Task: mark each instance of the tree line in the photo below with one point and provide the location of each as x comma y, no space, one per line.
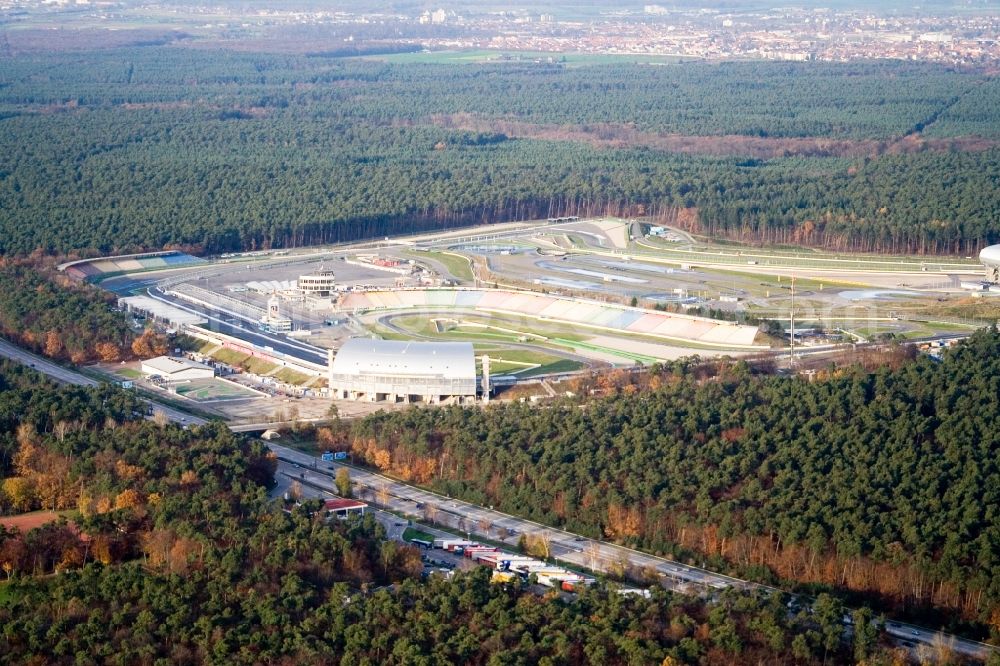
135,150
65,320
171,551
876,481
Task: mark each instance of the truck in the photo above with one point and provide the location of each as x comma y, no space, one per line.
554,578
532,566
487,559
508,563
503,577
472,551
452,544
576,585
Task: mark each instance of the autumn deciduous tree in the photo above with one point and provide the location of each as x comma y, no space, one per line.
108,352
342,480
128,499
150,344
20,493
53,345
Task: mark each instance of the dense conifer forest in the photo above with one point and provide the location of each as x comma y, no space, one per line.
169,551
149,148
882,482
68,321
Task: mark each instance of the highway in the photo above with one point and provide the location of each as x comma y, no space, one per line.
67,376
462,516
566,546
572,548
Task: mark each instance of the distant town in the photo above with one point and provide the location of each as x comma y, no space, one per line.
970,37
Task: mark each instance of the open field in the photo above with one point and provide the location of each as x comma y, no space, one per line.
29,521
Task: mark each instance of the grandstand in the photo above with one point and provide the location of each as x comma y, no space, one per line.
386,370
574,312
88,269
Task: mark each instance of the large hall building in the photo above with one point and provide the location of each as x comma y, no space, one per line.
404,371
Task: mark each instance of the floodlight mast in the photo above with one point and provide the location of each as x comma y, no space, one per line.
791,321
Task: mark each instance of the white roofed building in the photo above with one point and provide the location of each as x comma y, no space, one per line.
404,371
990,258
173,369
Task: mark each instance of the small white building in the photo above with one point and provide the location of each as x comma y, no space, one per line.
174,369
343,508
319,284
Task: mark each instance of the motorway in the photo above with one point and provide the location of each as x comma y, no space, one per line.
472,519
572,548
67,376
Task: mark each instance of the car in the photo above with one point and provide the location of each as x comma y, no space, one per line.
914,632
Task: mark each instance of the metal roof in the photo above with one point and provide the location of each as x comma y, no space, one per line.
364,356
168,365
990,256
341,504
161,310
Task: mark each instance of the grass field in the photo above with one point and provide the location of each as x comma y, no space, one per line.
290,376
410,533
258,366
527,363
499,329
128,373
207,347
230,357
456,264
